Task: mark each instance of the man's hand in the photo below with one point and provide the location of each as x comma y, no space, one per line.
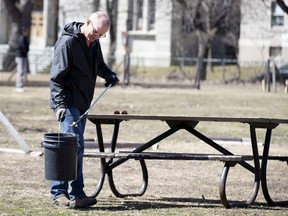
113,80
60,114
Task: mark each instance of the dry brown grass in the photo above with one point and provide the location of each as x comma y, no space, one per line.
175,187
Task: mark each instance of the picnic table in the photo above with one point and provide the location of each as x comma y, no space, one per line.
112,159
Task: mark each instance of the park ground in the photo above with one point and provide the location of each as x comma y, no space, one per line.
175,187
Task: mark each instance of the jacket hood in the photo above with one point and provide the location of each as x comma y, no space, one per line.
72,29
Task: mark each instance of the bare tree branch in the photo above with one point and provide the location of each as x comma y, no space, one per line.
282,5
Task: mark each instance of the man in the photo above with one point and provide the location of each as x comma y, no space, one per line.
77,62
22,60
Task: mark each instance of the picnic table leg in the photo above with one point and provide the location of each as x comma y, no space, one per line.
107,169
143,187
222,186
257,173
264,167
114,140
102,162
110,172
264,171
143,147
223,179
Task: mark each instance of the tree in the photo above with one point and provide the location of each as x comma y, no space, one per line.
112,11
19,12
282,5
111,6
208,20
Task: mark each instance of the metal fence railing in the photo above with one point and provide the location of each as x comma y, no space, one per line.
39,59
184,69
179,69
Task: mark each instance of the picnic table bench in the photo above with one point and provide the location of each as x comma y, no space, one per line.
188,123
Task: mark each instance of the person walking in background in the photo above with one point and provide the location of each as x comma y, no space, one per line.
76,64
22,60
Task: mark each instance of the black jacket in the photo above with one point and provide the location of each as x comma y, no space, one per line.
22,47
74,70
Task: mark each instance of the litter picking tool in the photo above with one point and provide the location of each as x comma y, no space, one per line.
92,105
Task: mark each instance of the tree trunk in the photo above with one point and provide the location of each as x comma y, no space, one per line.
19,18
96,4
112,12
14,18
204,45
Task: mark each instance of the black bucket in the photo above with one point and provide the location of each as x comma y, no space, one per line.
60,156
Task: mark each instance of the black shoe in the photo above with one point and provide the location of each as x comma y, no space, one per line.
82,201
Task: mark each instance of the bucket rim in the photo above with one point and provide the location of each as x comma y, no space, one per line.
59,144
61,134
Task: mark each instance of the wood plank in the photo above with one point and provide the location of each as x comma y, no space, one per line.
169,156
122,117
277,157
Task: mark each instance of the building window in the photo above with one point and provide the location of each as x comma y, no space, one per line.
37,20
275,51
277,15
151,14
141,15
138,15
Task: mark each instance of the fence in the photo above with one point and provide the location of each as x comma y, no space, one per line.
181,69
39,59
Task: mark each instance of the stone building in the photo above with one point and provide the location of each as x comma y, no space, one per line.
264,31
154,30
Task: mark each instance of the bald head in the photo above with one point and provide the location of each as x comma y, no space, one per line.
101,18
96,26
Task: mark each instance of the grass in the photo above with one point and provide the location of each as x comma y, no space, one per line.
175,188
217,73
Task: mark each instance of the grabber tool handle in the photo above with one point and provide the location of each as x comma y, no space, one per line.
92,105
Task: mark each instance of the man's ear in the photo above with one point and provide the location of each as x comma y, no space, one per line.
87,21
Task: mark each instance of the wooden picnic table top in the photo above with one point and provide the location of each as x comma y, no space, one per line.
126,117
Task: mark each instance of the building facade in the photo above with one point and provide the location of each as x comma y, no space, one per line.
264,31
150,30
